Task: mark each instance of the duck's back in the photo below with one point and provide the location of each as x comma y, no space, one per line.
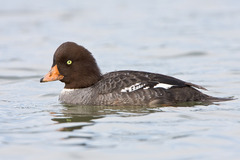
144,88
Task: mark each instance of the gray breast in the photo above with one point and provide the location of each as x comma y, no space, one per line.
83,96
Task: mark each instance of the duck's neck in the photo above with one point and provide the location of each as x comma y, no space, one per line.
85,80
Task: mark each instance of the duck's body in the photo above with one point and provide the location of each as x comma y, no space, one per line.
133,88
85,85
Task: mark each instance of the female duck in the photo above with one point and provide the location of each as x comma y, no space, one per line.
85,85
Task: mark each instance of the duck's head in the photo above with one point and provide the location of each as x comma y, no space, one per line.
74,65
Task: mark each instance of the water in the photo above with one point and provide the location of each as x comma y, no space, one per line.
197,41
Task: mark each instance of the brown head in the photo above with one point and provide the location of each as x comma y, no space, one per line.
74,65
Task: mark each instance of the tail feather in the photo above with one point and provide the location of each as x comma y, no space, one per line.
218,99
190,94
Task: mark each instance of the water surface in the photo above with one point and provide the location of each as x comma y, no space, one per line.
197,41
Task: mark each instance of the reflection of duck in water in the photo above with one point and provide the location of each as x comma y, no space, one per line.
81,116
77,114
85,85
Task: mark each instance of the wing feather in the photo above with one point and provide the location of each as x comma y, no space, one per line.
126,81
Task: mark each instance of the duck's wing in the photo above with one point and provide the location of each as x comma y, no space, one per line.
130,81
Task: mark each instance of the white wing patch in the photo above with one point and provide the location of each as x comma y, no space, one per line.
139,86
133,87
163,85
147,87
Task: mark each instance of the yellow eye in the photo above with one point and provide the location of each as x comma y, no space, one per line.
69,62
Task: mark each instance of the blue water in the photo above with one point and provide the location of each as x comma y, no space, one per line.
197,41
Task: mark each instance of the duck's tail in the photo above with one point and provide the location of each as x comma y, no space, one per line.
218,99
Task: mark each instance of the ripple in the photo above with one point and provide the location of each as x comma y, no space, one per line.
11,60
48,95
18,77
192,54
22,69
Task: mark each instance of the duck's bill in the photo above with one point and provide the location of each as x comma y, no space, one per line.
52,75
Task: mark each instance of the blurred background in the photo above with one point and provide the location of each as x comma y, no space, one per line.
194,40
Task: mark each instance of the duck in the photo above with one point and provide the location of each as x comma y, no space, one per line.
85,85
